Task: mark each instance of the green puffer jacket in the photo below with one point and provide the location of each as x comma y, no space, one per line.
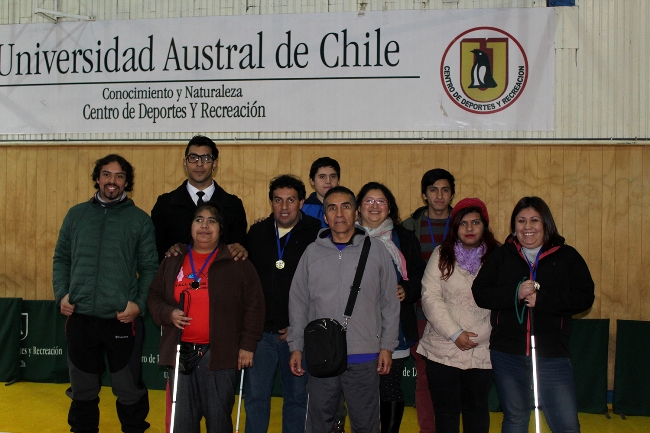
105,257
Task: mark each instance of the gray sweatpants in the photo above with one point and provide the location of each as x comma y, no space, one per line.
360,386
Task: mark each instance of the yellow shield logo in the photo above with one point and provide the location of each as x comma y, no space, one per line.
484,68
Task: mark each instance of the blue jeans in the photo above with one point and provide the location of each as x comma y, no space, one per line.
259,386
557,396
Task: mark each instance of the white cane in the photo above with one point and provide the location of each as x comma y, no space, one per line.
178,358
533,355
241,387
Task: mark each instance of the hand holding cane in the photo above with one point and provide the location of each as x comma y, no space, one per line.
534,358
178,358
241,387
530,289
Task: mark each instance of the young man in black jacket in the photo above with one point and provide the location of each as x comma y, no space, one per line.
275,247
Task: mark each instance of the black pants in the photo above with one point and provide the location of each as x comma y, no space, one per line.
454,391
390,385
89,339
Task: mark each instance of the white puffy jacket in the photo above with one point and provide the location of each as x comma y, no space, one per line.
449,306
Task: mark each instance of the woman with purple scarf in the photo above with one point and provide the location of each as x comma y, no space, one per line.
456,338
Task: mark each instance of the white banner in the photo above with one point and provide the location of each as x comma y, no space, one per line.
451,70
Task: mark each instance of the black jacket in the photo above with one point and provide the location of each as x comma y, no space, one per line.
566,288
173,212
263,253
415,265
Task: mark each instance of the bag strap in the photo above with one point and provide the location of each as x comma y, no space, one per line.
356,284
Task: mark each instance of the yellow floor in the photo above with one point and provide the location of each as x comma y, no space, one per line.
27,407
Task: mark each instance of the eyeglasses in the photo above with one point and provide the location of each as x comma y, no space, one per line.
379,201
193,158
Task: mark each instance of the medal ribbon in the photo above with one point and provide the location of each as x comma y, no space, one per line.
194,275
277,240
444,236
533,275
533,266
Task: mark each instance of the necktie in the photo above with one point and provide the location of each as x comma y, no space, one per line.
200,201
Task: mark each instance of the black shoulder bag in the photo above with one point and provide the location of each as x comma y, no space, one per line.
326,347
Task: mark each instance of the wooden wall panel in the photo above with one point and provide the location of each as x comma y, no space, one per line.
12,225
634,209
595,221
28,232
642,225
599,196
3,216
581,222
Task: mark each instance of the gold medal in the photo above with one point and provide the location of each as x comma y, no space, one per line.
279,264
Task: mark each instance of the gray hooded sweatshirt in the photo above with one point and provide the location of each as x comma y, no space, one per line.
321,287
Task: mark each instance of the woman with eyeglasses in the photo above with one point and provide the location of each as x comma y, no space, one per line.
379,216
220,323
455,340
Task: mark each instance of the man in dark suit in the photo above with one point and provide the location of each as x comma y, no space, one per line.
172,214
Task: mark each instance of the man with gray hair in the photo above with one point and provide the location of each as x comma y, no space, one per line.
320,288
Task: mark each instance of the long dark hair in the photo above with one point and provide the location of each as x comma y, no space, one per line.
393,210
551,235
447,252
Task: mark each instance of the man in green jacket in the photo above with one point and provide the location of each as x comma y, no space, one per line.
104,261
